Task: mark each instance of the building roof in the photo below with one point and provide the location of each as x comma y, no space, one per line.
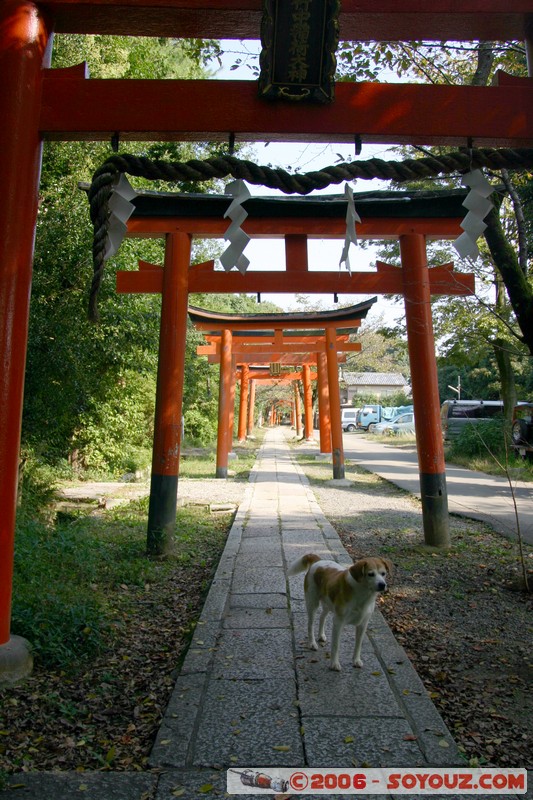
374,379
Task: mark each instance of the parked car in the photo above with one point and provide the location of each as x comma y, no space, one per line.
349,418
402,425
455,414
522,430
381,427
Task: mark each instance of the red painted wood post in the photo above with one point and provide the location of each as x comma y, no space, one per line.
169,395
337,448
243,402
308,402
426,401
323,404
251,409
224,396
24,51
297,409
231,410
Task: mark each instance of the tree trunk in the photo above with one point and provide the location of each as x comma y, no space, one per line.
519,290
506,372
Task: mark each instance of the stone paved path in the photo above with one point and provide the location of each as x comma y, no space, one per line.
251,694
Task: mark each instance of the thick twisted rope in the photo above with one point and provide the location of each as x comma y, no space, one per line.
222,167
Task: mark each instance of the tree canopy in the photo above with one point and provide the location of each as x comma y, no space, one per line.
90,390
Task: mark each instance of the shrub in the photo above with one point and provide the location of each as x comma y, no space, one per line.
482,439
114,435
37,485
53,604
200,428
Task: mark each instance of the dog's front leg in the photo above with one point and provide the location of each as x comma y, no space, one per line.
335,643
360,631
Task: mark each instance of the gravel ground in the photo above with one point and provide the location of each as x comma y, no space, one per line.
458,614
210,491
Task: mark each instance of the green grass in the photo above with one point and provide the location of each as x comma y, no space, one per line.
73,570
71,576
518,468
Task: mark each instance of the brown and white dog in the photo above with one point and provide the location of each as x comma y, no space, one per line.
348,593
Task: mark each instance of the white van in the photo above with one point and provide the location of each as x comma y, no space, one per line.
349,418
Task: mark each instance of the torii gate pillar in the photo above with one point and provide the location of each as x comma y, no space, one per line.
25,37
308,402
415,275
224,399
323,404
231,409
169,395
297,410
337,448
243,403
251,409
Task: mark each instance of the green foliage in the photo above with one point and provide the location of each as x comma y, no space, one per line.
115,432
72,580
37,486
482,439
397,399
91,388
53,604
383,350
427,62
200,426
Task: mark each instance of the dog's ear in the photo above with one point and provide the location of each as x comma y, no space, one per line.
358,570
389,566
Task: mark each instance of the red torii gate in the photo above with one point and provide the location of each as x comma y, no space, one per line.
410,217
281,337
63,104
250,374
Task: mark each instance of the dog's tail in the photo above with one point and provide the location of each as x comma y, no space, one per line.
302,564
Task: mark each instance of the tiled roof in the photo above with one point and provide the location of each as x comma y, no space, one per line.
374,379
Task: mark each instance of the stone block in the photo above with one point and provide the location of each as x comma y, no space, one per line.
249,723
247,654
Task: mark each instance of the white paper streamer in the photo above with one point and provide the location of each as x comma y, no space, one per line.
120,211
351,218
478,206
233,254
